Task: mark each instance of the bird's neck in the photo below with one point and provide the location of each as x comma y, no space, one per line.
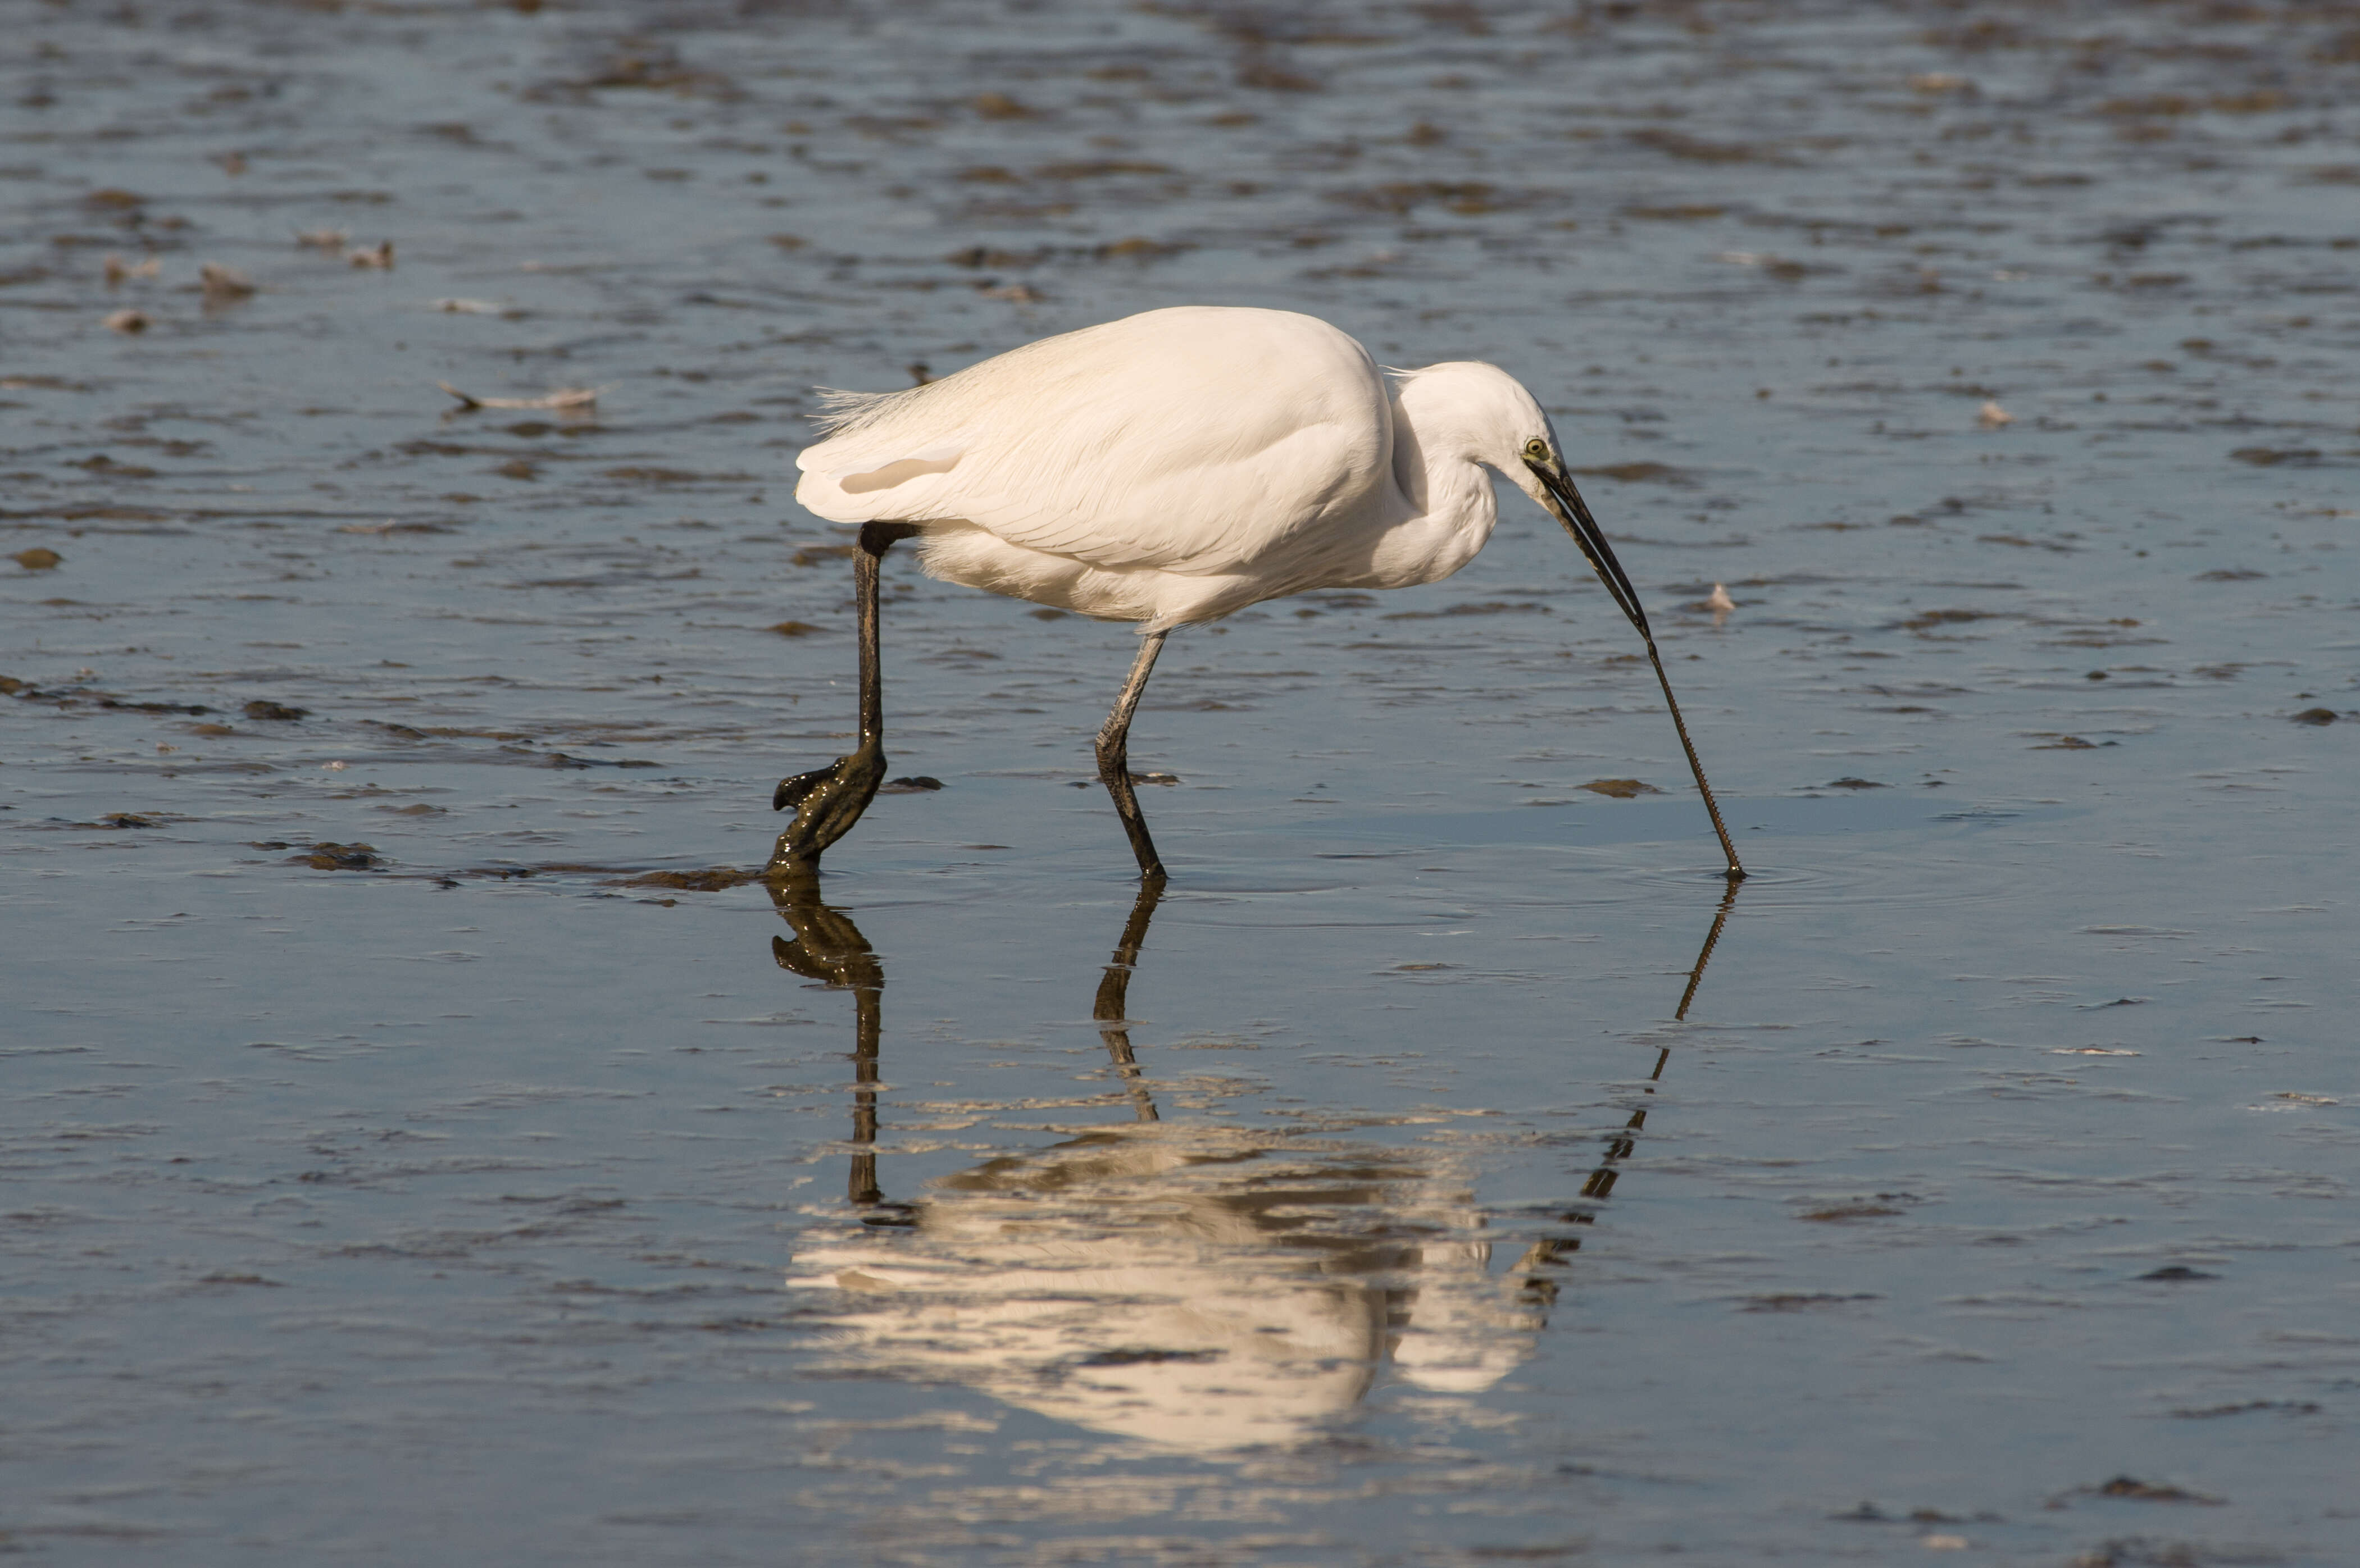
1446,491
1435,447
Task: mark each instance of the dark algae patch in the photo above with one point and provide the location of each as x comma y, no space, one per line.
341,857
2140,1491
718,880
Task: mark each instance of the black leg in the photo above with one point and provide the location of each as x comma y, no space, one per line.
828,800
1114,760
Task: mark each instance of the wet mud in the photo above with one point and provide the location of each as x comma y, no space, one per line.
424,1134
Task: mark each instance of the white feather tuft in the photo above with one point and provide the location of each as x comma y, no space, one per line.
844,412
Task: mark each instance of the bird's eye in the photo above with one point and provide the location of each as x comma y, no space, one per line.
1538,449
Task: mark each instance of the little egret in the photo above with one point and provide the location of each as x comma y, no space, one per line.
1171,468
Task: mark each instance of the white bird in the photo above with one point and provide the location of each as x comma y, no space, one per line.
1171,468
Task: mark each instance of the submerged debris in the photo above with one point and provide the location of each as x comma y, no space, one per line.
563,398
720,879
1801,1300
1621,789
340,857
223,284
2152,1492
2208,1412
566,759
1638,473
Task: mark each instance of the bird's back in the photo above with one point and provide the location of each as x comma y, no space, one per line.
1191,439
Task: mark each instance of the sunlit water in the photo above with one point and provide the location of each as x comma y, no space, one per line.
408,1157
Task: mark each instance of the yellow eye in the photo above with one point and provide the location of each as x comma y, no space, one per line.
1538,449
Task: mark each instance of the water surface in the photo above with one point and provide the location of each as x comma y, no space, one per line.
411,1149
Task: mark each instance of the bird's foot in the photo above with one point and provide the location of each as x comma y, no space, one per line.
827,803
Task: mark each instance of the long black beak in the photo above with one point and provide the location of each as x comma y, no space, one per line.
1573,514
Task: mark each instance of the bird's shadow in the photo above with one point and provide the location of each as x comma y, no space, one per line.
1194,1285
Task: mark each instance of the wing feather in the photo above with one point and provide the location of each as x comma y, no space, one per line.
1189,439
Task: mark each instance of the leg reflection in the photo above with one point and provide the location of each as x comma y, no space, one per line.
1114,990
830,949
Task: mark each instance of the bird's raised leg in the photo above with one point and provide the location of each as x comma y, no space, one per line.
828,800
1114,760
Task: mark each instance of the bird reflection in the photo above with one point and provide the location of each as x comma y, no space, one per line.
1195,1286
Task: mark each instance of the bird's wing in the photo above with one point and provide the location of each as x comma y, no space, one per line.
1191,439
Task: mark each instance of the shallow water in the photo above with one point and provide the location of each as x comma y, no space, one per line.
400,1162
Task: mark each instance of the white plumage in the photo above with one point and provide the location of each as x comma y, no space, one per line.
1176,466
1170,468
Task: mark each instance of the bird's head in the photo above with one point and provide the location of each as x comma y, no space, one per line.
1466,409
1546,480
1488,414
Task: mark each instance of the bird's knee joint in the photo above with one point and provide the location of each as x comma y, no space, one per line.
879,538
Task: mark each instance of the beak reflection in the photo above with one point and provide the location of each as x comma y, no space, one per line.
1199,1287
